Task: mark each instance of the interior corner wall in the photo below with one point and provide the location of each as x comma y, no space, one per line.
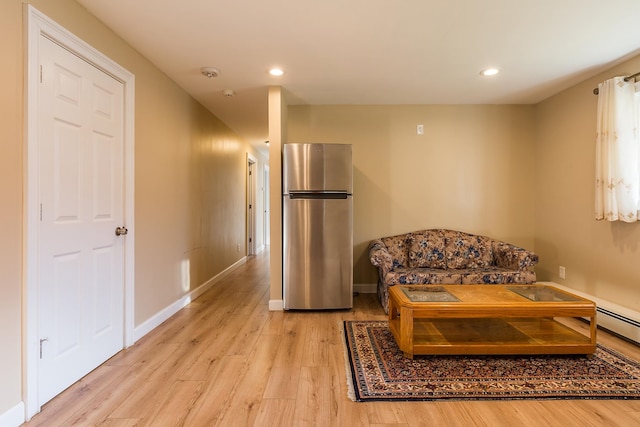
600,257
277,137
472,170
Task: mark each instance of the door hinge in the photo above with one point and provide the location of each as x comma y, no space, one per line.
41,74
40,212
42,342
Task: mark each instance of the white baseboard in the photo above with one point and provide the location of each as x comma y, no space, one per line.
276,305
14,417
164,314
363,288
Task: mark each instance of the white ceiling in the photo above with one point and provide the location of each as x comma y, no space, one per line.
373,51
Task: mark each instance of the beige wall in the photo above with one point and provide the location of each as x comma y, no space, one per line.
472,170
190,182
277,136
10,202
601,258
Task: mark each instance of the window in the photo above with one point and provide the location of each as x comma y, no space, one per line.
618,151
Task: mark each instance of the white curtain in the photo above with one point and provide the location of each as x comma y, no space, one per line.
617,152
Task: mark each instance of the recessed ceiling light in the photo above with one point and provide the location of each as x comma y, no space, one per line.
489,72
276,72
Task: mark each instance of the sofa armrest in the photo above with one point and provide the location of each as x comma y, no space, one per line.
380,256
513,257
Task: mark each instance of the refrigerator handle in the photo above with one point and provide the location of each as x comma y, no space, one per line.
318,195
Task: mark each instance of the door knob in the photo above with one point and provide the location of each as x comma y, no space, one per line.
121,231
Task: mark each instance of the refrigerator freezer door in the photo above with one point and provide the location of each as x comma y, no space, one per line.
317,167
318,253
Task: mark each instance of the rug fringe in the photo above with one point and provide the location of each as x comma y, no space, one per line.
351,394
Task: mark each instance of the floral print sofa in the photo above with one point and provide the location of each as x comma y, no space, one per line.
440,256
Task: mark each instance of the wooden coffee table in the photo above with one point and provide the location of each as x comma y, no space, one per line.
488,319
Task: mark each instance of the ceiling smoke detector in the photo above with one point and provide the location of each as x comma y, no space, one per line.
210,72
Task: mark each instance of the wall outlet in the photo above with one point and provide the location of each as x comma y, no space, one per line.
238,248
420,129
561,272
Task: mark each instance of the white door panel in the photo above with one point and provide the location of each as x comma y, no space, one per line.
81,289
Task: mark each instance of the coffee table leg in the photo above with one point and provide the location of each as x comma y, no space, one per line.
406,332
593,330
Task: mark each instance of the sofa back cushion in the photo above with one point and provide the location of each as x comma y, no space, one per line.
464,250
427,249
397,247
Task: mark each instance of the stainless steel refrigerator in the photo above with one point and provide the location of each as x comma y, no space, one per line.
317,227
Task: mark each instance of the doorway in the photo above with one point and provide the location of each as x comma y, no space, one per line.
265,203
251,205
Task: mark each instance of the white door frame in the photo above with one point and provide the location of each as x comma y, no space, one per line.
39,25
266,239
252,162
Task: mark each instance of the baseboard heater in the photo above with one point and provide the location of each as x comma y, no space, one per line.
619,324
619,320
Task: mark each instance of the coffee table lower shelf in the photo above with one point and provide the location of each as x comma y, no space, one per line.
495,336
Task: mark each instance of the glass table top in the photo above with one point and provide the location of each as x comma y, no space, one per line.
485,293
428,294
541,293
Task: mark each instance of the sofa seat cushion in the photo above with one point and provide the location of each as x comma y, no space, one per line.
411,276
464,250
495,275
426,249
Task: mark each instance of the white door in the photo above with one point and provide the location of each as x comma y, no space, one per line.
251,216
81,284
265,196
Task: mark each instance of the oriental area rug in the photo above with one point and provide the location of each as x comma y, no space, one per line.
377,370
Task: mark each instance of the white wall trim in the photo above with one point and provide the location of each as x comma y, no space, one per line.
37,25
363,288
13,417
252,214
164,314
276,305
266,208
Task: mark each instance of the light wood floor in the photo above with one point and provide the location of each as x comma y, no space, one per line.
227,360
